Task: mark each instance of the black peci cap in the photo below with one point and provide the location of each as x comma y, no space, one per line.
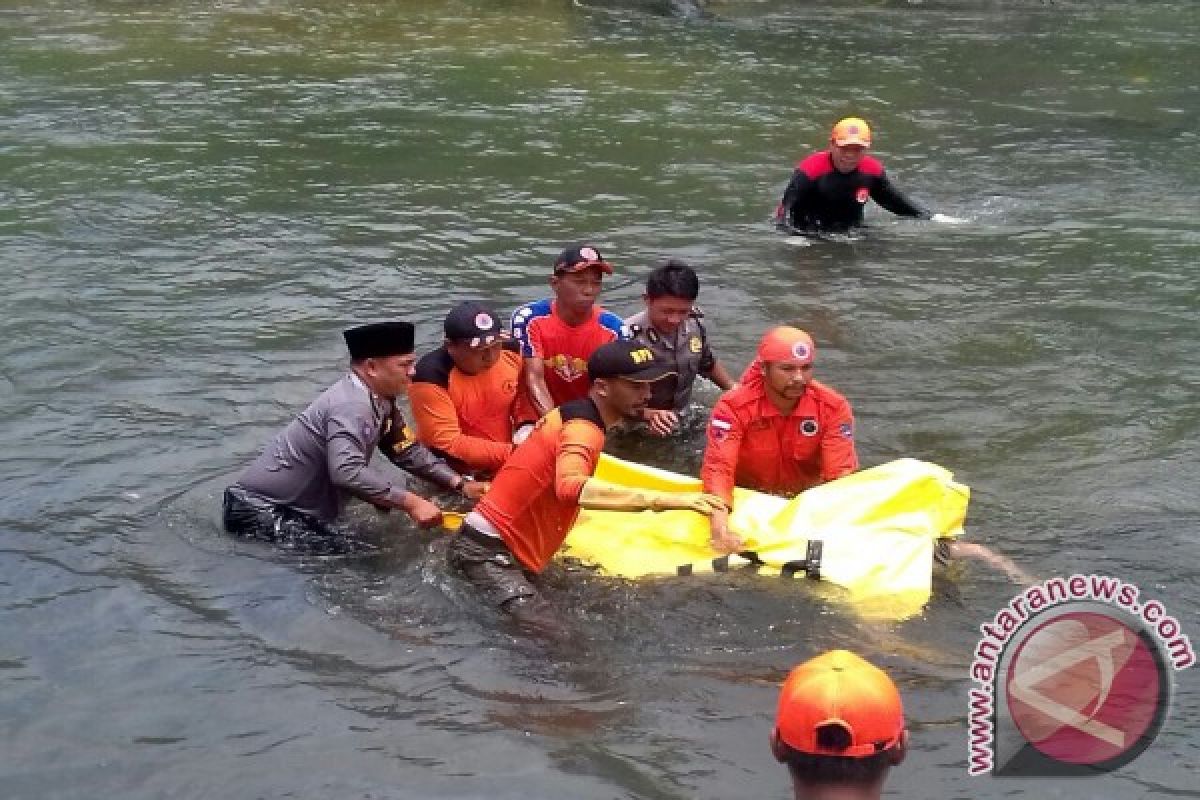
380,339
473,323
630,360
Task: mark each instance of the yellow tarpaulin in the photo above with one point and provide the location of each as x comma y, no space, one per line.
872,532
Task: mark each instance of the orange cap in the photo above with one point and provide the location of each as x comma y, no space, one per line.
851,130
788,345
839,689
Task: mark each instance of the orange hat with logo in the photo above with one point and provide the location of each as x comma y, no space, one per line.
842,690
787,345
851,130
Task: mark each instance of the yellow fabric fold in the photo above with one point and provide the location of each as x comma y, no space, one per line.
876,531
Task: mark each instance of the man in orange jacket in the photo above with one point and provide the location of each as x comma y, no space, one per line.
468,396
522,520
781,431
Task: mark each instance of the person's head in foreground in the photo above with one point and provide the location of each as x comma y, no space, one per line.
839,728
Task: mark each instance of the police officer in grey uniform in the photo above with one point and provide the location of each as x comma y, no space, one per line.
295,490
671,327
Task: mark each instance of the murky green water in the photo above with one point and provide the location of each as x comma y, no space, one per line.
196,198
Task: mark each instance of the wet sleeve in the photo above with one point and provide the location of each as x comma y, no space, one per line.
797,190
348,457
437,426
891,198
838,456
523,411
578,453
403,450
719,469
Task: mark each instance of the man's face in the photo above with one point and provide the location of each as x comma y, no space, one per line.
667,313
628,398
847,157
474,360
391,375
787,379
577,291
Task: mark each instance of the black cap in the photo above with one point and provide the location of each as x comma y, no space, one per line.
579,257
630,360
380,339
474,323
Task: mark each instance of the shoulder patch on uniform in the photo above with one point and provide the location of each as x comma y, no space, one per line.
720,428
846,430
583,408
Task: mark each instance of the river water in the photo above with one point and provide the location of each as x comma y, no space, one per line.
195,198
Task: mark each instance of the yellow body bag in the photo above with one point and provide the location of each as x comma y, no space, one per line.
871,532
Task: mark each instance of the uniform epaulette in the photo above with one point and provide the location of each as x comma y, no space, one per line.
581,408
434,367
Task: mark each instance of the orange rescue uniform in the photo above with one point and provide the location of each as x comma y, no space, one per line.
751,444
534,499
469,419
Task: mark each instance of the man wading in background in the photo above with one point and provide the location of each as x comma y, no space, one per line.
830,189
297,487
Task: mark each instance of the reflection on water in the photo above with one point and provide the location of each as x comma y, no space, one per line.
196,201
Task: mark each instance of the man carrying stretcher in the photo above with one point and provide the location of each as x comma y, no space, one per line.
522,520
780,431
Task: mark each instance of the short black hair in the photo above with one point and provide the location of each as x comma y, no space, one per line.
675,279
807,768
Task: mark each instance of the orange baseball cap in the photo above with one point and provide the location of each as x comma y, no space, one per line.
789,345
842,690
851,130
